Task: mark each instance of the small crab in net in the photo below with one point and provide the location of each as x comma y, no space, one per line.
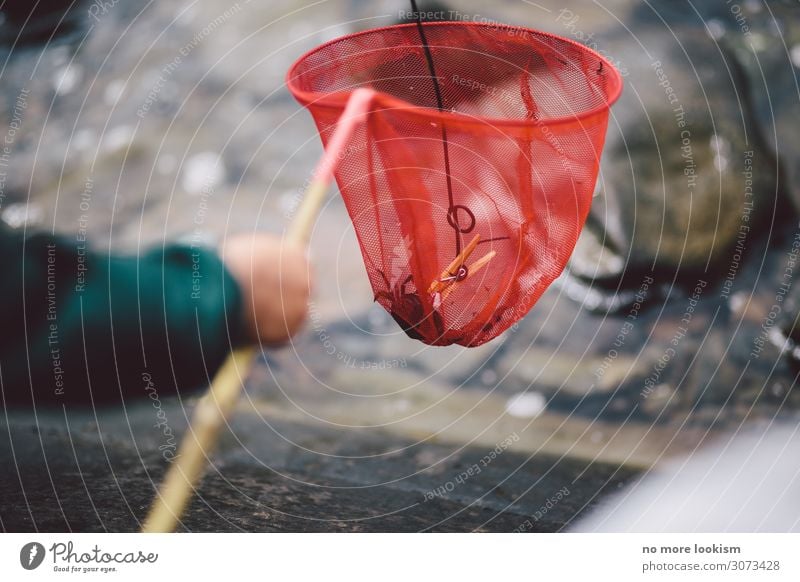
407,309
457,271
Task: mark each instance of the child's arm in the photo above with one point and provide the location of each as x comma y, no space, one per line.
92,327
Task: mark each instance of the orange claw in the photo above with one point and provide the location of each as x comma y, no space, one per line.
446,278
472,269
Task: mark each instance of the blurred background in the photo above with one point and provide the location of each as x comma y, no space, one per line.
673,329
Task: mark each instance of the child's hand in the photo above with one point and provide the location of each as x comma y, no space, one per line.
274,280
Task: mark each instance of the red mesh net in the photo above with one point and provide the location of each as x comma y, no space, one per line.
464,215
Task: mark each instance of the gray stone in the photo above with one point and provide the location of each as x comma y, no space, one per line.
671,193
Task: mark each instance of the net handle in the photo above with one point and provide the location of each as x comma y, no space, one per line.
217,404
355,112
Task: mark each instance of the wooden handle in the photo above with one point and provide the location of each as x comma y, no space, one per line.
354,113
299,230
208,418
216,406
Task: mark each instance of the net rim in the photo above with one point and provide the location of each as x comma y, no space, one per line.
337,100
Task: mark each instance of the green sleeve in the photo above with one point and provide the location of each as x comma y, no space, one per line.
84,326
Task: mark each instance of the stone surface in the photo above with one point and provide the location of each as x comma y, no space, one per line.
74,473
355,427
671,197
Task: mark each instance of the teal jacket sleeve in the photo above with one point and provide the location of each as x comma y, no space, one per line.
84,326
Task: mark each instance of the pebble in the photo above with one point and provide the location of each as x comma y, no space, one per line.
118,139
488,377
67,79
716,29
83,139
21,214
203,172
662,396
377,317
753,6
113,91
721,149
526,405
794,53
738,303
289,200
778,390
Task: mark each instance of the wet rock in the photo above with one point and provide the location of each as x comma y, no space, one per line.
672,197
728,49
772,76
